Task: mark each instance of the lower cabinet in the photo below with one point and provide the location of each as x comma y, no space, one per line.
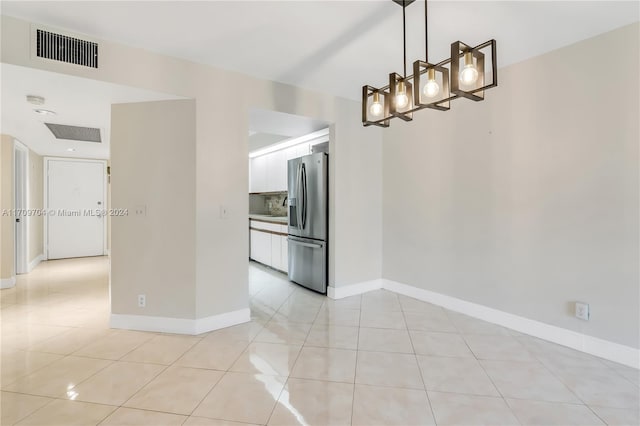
276,252
261,247
270,249
284,248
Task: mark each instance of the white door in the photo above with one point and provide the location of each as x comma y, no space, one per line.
21,161
75,196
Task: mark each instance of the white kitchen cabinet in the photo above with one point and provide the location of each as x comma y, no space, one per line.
291,152
261,246
268,173
303,149
258,174
276,256
267,247
276,171
284,254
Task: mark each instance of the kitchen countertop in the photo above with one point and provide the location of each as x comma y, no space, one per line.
266,218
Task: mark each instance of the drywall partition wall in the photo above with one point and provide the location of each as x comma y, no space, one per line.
223,100
153,253
352,151
358,198
528,201
35,203
6,204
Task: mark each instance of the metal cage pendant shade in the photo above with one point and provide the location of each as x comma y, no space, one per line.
466,74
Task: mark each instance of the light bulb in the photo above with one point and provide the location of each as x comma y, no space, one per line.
431,89
376,107
469,73
402,100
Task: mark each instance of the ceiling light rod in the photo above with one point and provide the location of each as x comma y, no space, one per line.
404,38
463,74
426,33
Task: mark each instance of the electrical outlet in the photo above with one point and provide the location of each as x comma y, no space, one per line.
140,210
142,300
582,311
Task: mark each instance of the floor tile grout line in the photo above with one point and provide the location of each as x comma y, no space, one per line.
32,372
559,378
497,389
355,371
146,384
107,416
37,409
283,387
293,292
227,371
424,384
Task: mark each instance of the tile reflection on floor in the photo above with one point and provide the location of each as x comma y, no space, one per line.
375,359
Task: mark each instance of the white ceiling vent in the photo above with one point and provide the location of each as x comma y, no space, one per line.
64,48
75,133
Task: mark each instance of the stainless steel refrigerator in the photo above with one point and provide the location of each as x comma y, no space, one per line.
308,183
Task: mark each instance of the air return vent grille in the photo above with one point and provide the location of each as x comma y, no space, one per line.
75,133
67,49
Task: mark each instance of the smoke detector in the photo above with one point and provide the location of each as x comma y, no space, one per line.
44,111
35,100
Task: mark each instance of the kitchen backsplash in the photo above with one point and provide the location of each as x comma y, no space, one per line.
274,204
270,204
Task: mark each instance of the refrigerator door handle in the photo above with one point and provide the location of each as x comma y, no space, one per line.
299,206
310,245
304,196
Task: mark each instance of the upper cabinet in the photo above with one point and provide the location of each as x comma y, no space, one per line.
276,171
258,174
268,172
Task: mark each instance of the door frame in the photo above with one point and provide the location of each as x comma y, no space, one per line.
46,197
21,204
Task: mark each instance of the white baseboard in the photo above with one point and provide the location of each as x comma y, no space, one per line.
7,282
35,262
180,325
353,289
592,345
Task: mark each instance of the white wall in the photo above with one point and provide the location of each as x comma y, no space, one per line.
7,252
223,100
527,201
35,201
152,156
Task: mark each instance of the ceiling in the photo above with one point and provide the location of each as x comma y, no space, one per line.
262,140
331,46
76,101
270,127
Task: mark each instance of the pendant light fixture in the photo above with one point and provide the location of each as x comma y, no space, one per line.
467,73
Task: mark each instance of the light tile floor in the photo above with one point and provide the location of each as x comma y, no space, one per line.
375,359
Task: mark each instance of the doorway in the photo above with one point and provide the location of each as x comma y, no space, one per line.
75,201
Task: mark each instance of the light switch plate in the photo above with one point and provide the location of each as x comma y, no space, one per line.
582,311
